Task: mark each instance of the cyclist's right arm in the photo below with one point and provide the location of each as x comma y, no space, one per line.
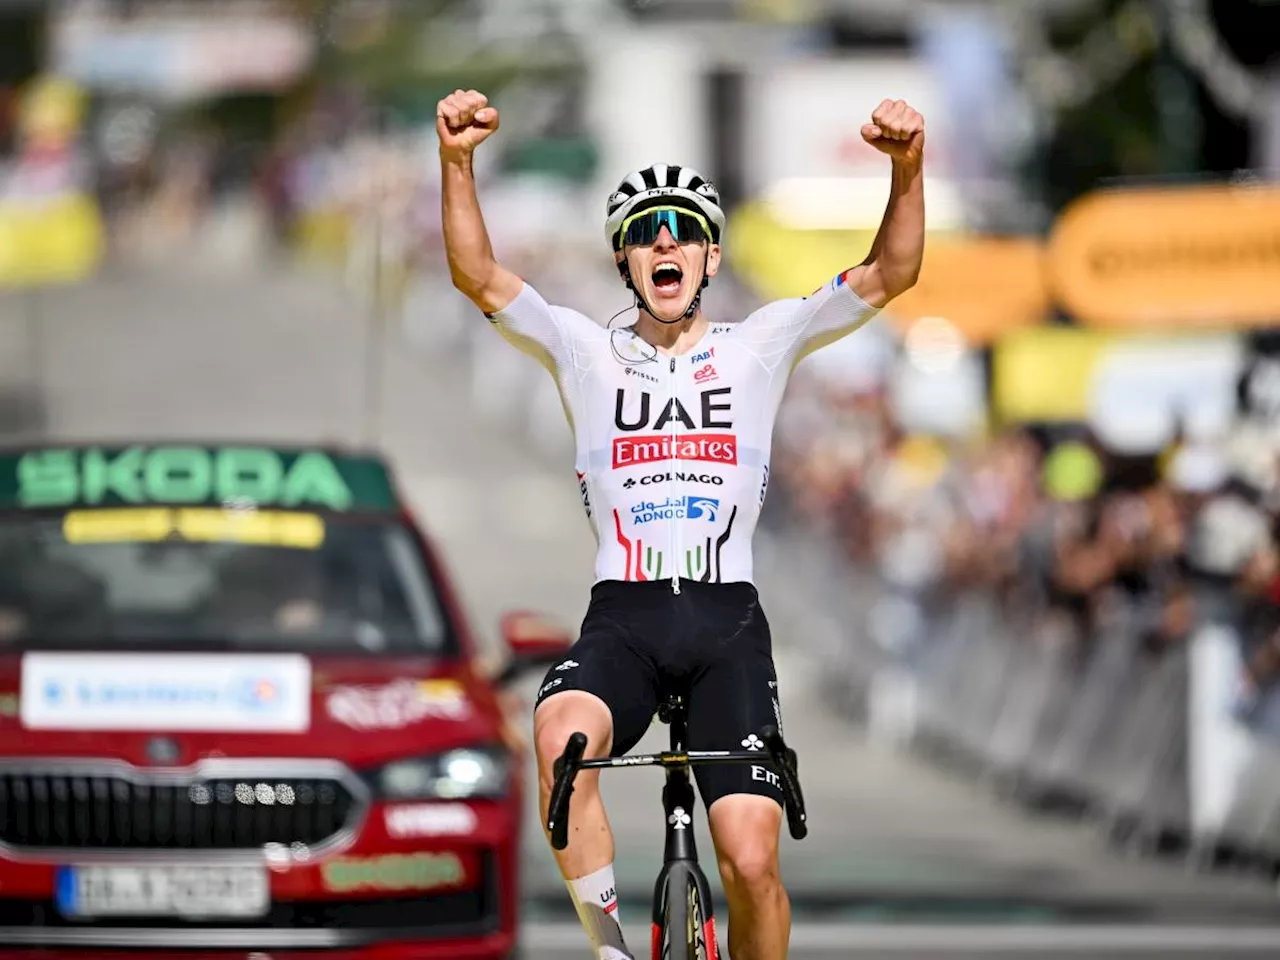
464,120
472,266
512,306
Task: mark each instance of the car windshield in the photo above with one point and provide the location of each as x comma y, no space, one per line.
205,579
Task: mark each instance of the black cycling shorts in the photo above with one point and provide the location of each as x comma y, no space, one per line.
641,641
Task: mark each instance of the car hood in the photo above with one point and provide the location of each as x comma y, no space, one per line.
173,709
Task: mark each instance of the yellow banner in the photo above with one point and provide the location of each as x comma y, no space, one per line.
1045,375
780,262
300,531
1205,256
48,240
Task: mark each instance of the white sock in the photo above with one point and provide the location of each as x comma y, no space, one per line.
596,900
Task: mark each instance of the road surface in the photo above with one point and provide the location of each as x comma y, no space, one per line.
887,942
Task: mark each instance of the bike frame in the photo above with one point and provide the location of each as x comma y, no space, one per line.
680,846
680,850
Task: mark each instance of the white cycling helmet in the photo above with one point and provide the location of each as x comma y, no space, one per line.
660,185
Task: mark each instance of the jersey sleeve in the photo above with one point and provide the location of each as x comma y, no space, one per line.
786,331
546,333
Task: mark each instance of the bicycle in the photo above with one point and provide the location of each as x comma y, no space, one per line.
683,924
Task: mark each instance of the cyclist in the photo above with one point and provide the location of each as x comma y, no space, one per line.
672,419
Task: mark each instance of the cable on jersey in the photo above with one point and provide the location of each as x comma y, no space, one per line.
613,343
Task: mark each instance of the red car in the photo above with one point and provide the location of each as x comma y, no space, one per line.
241,714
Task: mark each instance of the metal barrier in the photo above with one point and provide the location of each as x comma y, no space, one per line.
1100,725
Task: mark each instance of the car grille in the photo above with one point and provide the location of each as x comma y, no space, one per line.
123,812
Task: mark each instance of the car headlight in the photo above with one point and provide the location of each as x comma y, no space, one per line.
457,774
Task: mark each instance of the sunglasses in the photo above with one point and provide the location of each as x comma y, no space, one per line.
643,228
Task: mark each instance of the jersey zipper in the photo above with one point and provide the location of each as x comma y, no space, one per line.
674,539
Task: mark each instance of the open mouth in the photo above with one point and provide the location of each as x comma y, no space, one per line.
666,278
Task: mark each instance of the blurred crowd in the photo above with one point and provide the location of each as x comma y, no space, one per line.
1061,530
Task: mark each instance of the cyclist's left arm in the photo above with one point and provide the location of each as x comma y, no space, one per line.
795,328
893,265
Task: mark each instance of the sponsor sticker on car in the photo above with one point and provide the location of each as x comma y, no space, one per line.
252,693
395,872
397,704
429,820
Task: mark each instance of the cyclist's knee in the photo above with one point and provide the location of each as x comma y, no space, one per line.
745,829
558,718
749,869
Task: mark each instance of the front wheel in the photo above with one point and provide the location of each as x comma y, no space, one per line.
686,929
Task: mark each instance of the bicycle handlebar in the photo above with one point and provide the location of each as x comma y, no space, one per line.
784,760
566,769
571,761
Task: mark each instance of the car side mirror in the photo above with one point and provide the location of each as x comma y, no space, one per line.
534,640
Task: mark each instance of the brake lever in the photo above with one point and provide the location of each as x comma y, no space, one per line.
785,762
566,769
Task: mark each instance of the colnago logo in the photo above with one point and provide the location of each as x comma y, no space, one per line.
706,447
708,478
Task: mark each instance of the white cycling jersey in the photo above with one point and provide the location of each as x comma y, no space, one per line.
673,451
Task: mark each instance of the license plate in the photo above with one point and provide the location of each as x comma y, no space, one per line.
163,891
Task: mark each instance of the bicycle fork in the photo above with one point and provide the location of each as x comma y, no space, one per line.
679,854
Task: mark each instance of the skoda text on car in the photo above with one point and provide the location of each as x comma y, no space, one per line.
240,712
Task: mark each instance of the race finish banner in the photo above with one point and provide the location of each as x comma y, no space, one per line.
1193,257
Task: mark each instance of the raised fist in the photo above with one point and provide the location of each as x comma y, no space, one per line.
464,120
896,130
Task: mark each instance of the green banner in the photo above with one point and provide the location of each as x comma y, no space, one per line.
230,476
